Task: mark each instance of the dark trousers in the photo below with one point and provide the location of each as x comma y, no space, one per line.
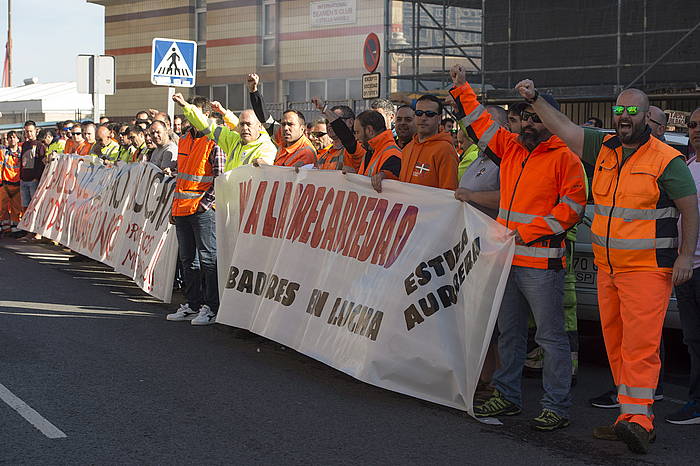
688,297
196,241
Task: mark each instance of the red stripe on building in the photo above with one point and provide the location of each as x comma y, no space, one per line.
233,41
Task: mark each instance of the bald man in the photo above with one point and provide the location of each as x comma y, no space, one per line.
657,120
640,186
105,147
248,142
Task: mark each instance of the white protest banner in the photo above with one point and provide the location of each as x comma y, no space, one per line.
117,215
399,289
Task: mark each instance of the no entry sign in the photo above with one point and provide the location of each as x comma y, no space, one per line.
370,52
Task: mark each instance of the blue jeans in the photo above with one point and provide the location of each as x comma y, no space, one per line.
27,190
688,296
543,290
196,241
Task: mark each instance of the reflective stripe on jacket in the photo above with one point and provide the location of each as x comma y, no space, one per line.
383,147
11,166
635,227
194,174
331,158
543,192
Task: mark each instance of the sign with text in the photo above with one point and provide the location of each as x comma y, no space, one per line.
400,289
116,215
371,85
333,13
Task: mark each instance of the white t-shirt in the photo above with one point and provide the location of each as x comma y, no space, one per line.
694,167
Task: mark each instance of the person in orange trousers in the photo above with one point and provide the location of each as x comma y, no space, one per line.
430,158
640,186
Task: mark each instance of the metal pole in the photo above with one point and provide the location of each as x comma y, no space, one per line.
619,43
483,51
388,13
171,104
9,41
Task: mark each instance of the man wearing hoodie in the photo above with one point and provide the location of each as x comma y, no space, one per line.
430,158
247,143
542,196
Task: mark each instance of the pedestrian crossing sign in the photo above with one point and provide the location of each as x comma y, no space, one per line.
173,62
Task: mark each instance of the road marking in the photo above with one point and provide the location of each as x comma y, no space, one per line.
29,414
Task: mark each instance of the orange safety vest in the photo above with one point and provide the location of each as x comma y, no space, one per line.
331,158
84,148
70,147
301,151
635,227
383,147
11,166
194,174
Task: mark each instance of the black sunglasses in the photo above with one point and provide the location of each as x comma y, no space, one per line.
318,134
76,132
428,113
530,116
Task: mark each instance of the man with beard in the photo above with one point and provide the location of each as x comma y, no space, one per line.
405,125
639,188
381,153
247,143
542,195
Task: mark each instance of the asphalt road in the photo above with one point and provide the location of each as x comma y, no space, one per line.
95,357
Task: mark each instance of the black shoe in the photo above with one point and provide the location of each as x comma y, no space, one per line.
607,400
635,436
497,405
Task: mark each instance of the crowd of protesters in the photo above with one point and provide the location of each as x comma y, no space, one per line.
524,166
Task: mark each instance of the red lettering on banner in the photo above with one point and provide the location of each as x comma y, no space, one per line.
408,221
355,220
332,228
382,248
318,232
287,204
375,226
361,227
313,215
244,193
270,220
302,207
251,225
348,214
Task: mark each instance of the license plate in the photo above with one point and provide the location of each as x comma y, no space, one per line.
585,270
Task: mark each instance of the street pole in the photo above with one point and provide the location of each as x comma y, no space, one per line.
171,104
9,41
95,95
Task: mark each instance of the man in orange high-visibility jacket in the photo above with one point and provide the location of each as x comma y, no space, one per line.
542,196
199,161
381,152
345,153
430,158
640,185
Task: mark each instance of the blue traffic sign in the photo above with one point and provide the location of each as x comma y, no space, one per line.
173,62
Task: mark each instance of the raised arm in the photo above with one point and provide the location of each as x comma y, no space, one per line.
555,121
258,104
226,138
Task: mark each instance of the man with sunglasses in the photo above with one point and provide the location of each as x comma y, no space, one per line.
640,186
320,139
345,154
84,137
542,196
126,150
430,158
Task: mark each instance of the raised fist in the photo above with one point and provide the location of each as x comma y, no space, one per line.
318,103
458,75
252,82
526,88
217,107
179,99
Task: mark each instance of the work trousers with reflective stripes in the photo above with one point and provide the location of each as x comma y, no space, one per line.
10,204
632,311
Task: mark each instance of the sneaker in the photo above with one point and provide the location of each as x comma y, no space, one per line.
608,433
607,400
205,317
184,313
635,436
548,420
497,405
688,414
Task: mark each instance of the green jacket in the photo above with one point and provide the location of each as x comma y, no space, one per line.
109,152
469,156
229,140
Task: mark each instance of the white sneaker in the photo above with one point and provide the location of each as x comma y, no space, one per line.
205,317
184,313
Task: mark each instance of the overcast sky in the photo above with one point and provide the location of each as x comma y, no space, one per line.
47,35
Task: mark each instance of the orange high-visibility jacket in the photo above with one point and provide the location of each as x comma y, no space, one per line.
70,147
84,148
635,224
11,166
194,174
330,158
300,151
543,192
383,147
432,162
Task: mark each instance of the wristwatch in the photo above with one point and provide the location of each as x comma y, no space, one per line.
534,99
